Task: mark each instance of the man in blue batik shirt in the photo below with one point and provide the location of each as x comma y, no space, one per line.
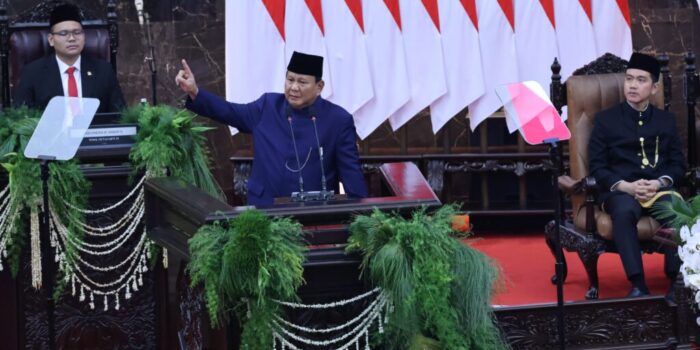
285,128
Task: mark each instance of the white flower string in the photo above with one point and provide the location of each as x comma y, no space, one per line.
328,305
283,334
359,317
138,187
116,226
115,244
35,247
126,273
358,331
7,226
5,214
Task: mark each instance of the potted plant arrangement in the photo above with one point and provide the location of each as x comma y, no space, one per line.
439,289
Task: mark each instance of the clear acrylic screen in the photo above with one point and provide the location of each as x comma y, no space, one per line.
62,127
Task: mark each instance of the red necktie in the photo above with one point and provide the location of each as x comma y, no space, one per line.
72,85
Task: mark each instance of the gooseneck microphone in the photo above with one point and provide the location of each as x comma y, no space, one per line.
320,149
324,194
288,111
302,196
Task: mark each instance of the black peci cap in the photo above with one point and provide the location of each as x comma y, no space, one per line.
646,63
65,12
302,63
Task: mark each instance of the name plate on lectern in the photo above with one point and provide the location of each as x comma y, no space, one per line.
102,135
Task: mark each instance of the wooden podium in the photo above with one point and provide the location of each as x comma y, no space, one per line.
175,211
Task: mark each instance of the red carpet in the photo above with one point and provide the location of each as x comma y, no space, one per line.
528,265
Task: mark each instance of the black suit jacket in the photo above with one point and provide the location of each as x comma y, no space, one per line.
615,153
40,81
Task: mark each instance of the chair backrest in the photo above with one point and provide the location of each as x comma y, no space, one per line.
586,96
26,38
30,43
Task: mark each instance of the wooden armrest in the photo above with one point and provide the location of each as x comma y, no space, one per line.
568,185
589,185
571,186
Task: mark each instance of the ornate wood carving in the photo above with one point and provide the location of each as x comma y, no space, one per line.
625,324
436,175
608,63
691,88
370,168
435,168
113,32
241,173
41,13
666,77
520,168
4,51
557,90
589,247
191,312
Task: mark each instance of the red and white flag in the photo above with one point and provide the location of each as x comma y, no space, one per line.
612,27
347,54
462,56
425,65
387,64
535,40
498,56
575,35
255,58
304,30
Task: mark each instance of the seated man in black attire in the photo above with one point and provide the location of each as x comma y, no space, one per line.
68,72
635,156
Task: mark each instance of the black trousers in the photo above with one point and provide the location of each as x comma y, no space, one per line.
625,212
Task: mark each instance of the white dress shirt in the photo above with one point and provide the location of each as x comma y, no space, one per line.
63,68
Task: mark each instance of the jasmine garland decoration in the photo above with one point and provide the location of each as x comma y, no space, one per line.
436,287
22,198
349,335
81,249
245,265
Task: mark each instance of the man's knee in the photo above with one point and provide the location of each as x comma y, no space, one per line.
623,207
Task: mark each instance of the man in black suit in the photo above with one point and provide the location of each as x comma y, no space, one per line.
635,156
68,72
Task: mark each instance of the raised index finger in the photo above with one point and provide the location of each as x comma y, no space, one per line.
186,67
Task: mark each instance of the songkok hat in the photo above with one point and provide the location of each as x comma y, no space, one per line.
302,63
65,12
646,63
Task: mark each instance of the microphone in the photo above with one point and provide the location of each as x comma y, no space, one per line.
139,10
325,194
288,111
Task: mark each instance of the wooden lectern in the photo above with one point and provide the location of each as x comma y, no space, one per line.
175,211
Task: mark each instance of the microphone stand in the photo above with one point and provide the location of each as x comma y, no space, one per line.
555,156
309,196
151,57
47,261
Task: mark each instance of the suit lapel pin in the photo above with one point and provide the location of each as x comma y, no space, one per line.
89,73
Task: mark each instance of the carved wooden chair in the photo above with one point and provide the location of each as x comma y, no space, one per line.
23,40
589,230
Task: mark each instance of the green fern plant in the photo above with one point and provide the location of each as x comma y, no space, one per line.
438,287
244,265
66,183
169,139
